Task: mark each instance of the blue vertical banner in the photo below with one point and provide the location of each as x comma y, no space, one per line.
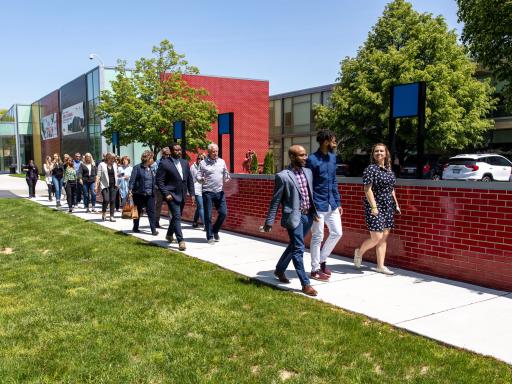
178,128
226,126
405,100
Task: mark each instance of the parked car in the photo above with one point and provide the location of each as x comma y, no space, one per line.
432,168
342,170
485,167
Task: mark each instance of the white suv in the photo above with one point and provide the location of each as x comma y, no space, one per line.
485,167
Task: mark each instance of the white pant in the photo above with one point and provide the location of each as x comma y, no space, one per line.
333,221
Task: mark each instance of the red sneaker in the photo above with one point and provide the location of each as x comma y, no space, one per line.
319,275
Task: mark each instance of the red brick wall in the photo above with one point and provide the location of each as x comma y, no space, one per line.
248,100
458,233
50,104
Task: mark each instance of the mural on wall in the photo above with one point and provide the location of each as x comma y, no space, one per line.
49,127
73,120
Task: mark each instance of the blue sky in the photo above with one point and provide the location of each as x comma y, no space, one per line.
293,44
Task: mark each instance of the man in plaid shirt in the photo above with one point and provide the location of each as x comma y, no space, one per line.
293,190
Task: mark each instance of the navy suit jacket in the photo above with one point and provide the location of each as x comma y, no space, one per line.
287,193
169,181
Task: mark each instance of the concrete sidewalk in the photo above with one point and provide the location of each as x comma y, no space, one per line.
459,314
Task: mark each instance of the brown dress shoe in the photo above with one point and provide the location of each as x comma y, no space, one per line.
281,277
182,246
309,290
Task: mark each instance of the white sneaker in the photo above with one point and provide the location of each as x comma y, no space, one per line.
357,258
385,271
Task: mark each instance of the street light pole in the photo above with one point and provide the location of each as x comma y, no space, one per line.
102,87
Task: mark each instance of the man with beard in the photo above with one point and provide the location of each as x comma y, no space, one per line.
327,202
174,180
294,190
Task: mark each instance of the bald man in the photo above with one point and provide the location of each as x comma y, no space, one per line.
293,190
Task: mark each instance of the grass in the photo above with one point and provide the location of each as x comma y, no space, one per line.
82,304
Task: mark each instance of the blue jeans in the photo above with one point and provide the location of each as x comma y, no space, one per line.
211,199
88,187
199,213
57,183
295,250
175,210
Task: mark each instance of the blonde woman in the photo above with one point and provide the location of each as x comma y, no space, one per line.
57,177
106,182
48,168
380,204
70,179
87,179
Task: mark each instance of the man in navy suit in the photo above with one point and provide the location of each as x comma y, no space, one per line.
174,179
294,190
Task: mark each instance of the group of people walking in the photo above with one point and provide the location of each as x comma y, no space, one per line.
148,185
308,193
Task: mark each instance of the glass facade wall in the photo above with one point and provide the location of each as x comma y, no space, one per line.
93,121
8,139
292,121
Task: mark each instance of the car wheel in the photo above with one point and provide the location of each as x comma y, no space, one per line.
486,179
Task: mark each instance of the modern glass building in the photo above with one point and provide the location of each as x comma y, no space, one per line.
65,120
292,120
16,141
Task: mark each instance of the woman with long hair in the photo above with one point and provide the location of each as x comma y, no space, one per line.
57,176
48,168
124,171
87,179
380,204
106,182
70,179
32,175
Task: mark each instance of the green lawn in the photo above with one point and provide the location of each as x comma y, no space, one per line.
80,303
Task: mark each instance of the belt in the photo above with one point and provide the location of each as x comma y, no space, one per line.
305,211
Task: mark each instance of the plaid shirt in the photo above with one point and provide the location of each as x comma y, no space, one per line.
303,185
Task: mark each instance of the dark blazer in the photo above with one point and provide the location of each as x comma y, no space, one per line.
287,193
169,181
136,183
85,175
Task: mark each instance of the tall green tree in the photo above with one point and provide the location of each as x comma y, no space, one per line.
405,46
488,35
146,101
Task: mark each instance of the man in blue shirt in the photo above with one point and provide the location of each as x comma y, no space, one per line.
327,201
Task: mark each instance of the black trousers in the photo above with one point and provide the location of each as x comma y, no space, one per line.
31,187
71,193
175,210
159,198
148,202
109,197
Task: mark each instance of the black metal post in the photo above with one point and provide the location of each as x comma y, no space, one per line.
231,143
420,140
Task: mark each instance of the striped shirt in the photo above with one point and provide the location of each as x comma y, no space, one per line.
303,186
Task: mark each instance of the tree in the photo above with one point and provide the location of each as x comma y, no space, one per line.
254,163
406,46
146,101
268,164
488,34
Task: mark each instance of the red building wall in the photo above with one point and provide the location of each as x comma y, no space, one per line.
458,233
50,104
248,100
